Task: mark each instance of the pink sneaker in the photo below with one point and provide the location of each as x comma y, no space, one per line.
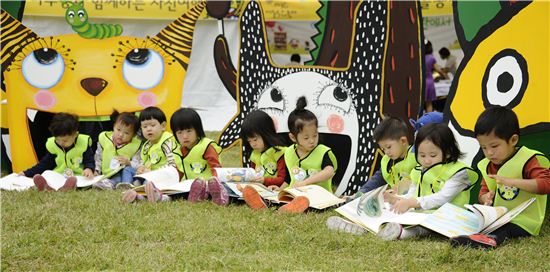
198,191
41,183
70,184
217,191
153,194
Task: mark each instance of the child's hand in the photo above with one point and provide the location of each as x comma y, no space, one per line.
503,180
300,183
390,196
141,169
257,179
89,173
123,160
487,199
404,204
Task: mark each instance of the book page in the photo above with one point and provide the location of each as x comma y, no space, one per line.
82,181
486,214
508,216
161,177
14,182
54,179
226,174
451,220
319,198
352,212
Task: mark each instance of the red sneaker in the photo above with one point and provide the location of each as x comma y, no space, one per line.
198,191
41,183
297,205
477,240
253,198
70,184
218,192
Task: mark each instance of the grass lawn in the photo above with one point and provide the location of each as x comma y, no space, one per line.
94,230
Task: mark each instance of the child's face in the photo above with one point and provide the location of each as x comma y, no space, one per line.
152,129
187,137
395,149
495,149
429,154
122,134
307,139
66,140
256,142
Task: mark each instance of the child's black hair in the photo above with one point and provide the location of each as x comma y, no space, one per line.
502,121
63,124
127,119
186,118
300,117
259,123
428,48
150,113
444,52
390,128
441,136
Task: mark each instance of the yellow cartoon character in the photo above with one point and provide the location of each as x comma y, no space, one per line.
88,77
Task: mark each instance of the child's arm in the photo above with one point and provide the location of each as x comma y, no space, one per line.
89,163
98,158
168,149
452,187
46,163
323,175
374,182
212,158
538,181
281,174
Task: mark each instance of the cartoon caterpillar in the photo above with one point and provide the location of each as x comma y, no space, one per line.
77,17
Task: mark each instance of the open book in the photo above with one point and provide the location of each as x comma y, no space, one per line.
166,179
319,197
371,212
451,220
15,182
236,174
235,190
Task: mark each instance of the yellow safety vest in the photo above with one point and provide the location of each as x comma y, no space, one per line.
109,150
393,171
193,165
72,158
153,156
266,162
301,169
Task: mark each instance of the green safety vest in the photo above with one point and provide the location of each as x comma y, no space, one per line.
266,162
532,217
152,156
72,158
394,170
105,140
433,179
301,169
193,165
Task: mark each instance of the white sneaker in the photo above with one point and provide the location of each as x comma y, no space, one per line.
390,231
340,224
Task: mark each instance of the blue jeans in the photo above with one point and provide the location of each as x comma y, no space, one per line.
126,175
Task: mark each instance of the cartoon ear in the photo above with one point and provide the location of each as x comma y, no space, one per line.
176,38
470,16
14,38
80,3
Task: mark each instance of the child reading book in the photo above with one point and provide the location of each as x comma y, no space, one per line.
68,153
511,175
117,150
441,178
265,150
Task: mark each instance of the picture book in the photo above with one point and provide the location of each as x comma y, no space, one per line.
15,182
166,179
319,197
236,174
371,212
451,220
169,188
235,190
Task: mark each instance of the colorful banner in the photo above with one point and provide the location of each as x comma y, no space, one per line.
304,10
436,7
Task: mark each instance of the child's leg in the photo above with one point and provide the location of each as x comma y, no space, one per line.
340,224
127,174
492,240
131,196
395,231
507,231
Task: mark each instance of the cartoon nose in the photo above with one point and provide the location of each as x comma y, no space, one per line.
93,85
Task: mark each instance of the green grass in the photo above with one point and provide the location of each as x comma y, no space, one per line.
94,230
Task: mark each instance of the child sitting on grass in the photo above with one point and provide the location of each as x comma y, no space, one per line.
68,153
511,175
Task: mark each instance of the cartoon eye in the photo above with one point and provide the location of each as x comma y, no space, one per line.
80,13
143,68
70,14
505,79
43,68
271,99
335,96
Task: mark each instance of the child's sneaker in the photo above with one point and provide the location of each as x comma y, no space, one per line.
70,184
131,196
217,191
198,191
103,185
477,240
41,183
390,231
340,224
153,194
253,198
124,186
297,205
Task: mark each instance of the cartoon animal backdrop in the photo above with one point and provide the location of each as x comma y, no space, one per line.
507,63
87,74
368,63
